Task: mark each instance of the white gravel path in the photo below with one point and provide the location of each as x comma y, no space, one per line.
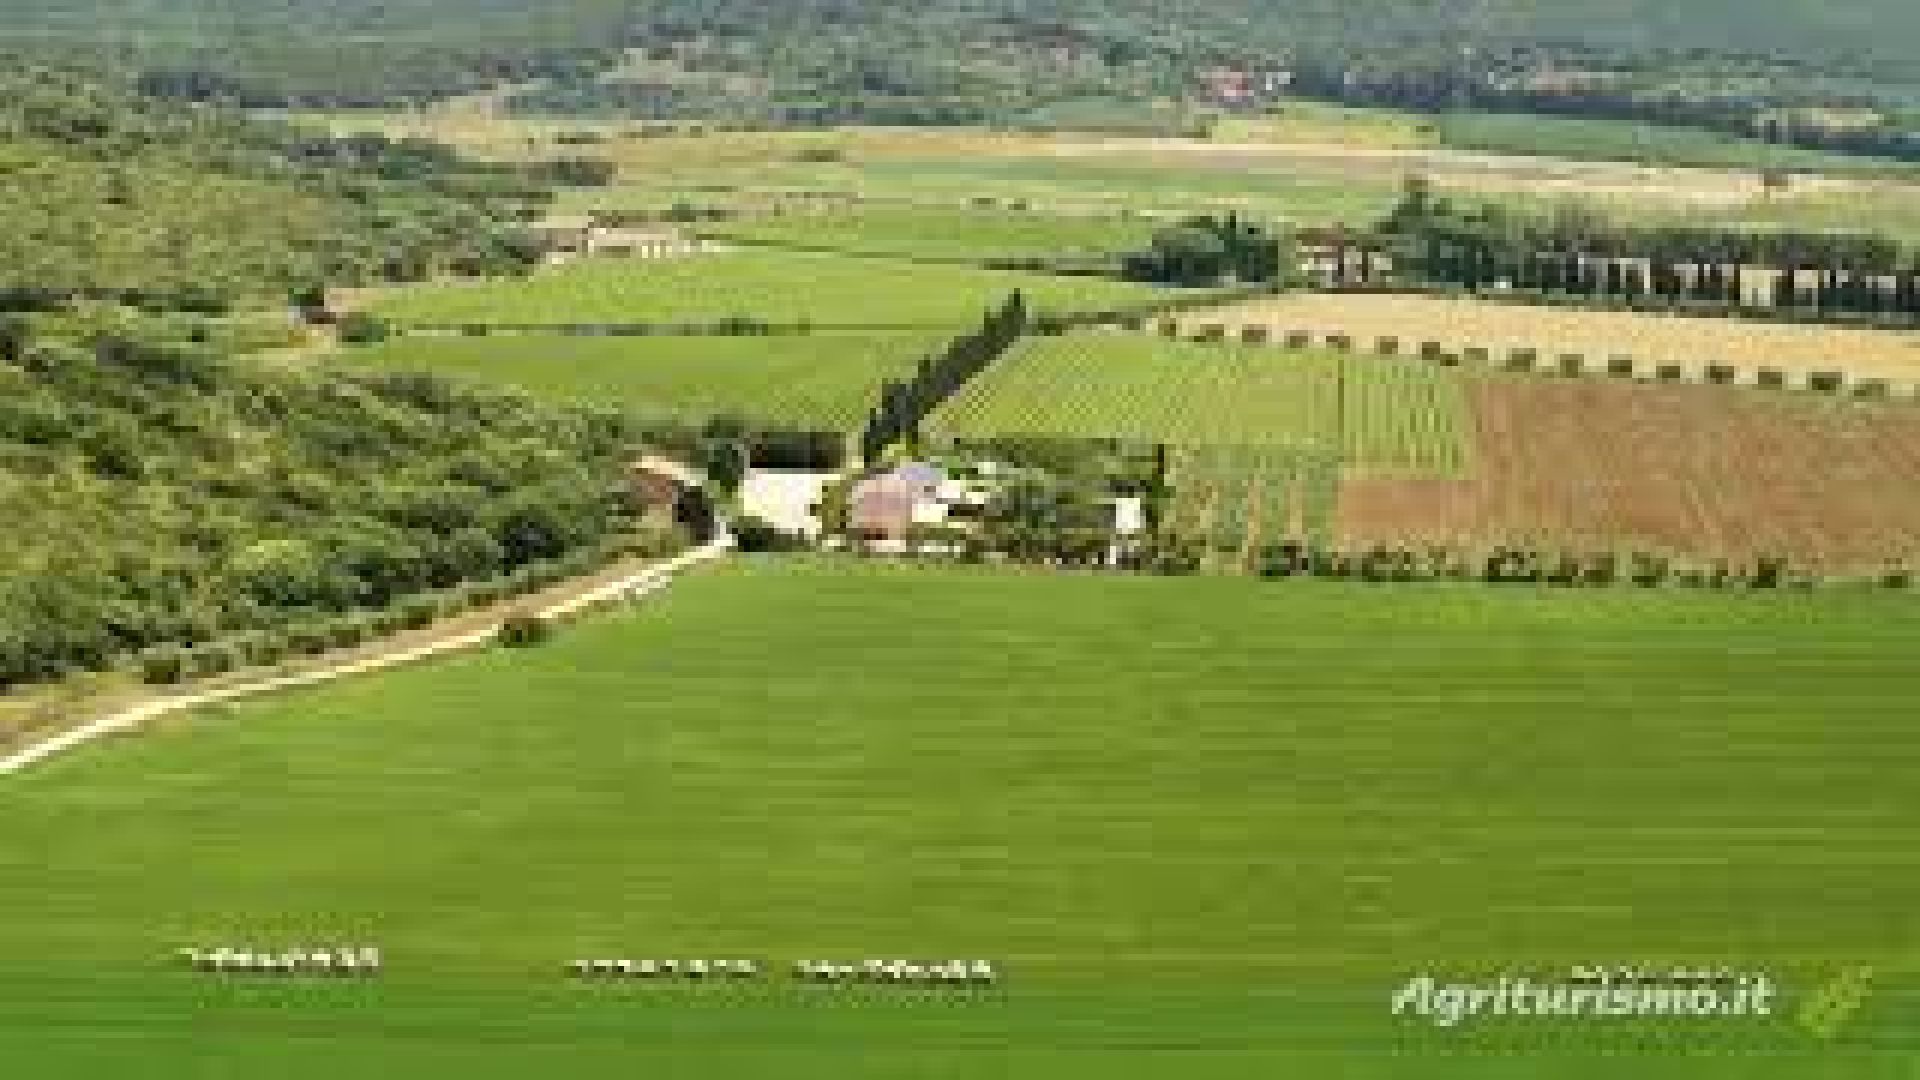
643,583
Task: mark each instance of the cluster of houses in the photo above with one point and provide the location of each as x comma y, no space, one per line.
665,969
347,961
566,238
887,510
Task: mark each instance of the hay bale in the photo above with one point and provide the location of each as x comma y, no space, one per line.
1670,373
1299,339
1572,364
1724,374
1772,378
1387,346
1620,365
1255,333
1826,382
1523,359
1877,389
1339,343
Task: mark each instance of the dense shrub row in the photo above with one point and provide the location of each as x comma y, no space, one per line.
154,495
322,632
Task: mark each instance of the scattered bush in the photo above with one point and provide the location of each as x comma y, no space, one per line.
522,630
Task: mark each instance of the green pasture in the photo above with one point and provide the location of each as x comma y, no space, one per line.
824,381
1207,828
943,233
1103,187
783,287
1600,139
1376,412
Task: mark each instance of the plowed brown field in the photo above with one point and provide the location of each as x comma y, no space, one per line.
1698,471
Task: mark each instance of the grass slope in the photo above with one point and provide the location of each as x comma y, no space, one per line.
827,381
827,290
1215,847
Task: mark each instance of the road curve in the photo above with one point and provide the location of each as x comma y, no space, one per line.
643,583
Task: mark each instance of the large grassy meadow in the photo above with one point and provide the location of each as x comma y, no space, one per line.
785,287
822,381
1207,829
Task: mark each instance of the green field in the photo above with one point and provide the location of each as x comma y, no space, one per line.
1376,412
1083,187
827,290
944,233
1231,500
821,381
1212,850
1598,139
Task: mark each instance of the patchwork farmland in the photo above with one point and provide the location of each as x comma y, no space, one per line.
1355,452
769,286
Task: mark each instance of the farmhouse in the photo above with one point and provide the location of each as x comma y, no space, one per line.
883,508
659,481
567,238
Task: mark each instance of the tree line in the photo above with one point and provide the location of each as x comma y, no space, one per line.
905,404
1575,253
1209,250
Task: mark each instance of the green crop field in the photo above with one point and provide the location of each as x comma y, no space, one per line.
949,233
825,381
1213,850
827,290
1598,139
1232,500
1376,412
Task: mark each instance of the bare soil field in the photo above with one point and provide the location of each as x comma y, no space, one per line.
1692,343
1699,471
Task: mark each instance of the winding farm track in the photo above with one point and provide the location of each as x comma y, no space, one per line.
645,582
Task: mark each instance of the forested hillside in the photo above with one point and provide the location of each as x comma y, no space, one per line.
360,51
159,495
114,195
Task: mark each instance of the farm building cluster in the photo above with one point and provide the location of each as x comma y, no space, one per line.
566,239
927,507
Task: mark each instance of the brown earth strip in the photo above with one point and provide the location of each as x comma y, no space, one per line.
1701,472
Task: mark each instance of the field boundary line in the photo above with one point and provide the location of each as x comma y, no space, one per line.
644,582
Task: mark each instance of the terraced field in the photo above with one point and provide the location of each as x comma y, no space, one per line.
783,287
818,381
